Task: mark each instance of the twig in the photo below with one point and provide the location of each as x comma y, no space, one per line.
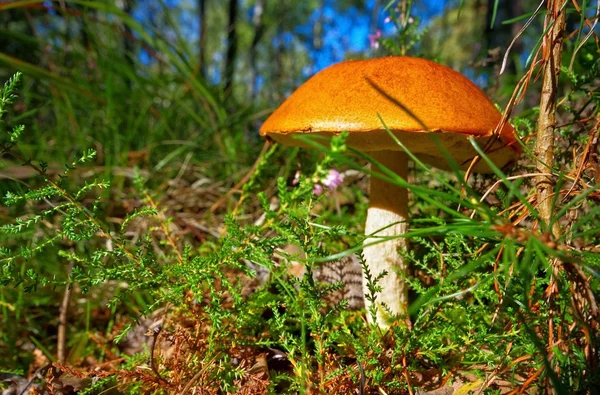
155,333
592,28
191,382
490,380
62,320
498,182
590,148
199,374
521,31
528,382
362,378
39,374
406,376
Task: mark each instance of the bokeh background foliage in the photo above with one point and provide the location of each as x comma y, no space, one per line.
152,242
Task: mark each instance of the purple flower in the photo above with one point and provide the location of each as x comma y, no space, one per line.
374,39
333,180
318,189
296,178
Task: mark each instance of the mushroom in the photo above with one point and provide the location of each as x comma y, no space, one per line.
415,98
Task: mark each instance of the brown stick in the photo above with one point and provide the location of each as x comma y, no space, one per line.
61,337
544,145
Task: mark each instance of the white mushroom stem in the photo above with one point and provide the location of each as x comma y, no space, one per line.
388,205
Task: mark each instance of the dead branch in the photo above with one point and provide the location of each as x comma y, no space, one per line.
544,145
62,321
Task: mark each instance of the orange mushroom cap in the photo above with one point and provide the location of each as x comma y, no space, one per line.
414,97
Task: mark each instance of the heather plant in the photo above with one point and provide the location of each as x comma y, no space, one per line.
99,253
490,310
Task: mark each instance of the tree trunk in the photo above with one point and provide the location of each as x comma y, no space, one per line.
202,40
278,69
259,27
128,47
231,48
544,145
516,9
374,23
318,28
498,36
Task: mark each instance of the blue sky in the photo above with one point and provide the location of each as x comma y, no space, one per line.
343,31
348,30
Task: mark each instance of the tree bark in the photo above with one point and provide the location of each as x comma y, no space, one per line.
374,22
202,39
278,52
544,146
500,35
318,28
128,43
231,48
259,27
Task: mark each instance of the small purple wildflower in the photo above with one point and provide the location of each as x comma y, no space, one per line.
333,180
318,189
296,178
374,39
